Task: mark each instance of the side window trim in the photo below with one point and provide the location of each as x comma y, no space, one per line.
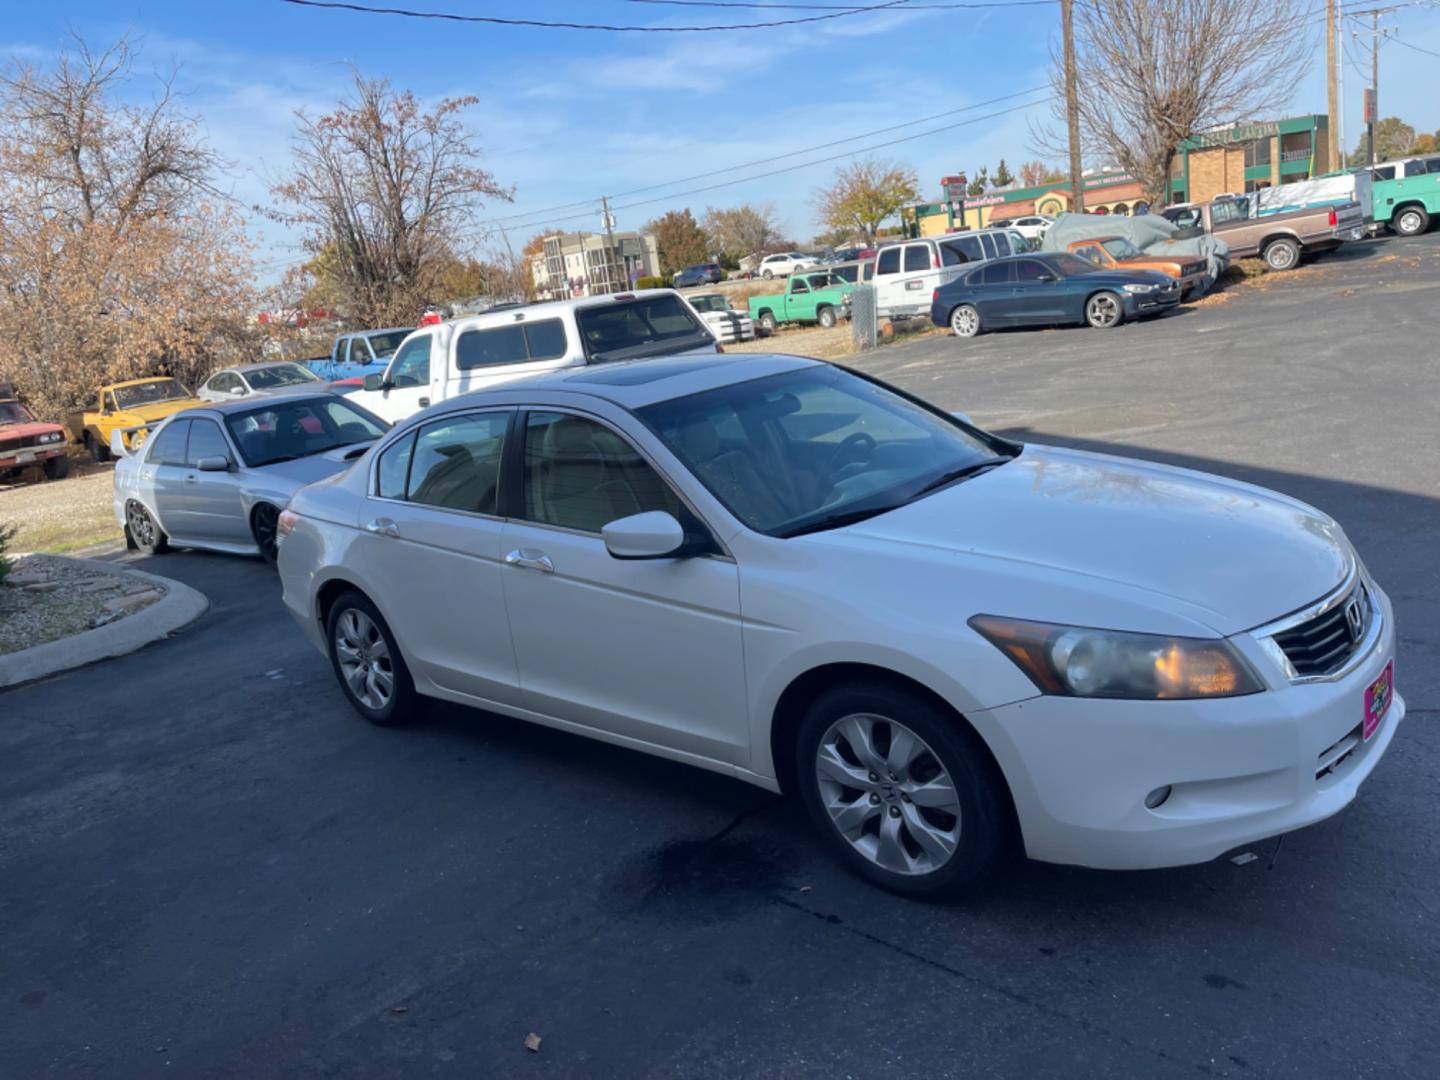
412,434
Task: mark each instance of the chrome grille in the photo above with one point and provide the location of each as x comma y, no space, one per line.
22,443
1323,643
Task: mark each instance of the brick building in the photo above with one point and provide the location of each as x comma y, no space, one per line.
1245,157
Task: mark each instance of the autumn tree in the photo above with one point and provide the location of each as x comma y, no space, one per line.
119,255
744,230
1426,143
392,189
1002,175
1151,73
1393,139
679,240
864,194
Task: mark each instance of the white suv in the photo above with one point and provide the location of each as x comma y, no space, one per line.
783,265
908,273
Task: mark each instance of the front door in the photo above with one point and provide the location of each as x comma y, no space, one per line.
648,649
429,548
212,505
408,377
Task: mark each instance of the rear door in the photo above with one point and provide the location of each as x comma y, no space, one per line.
1034,300
163,474
995,296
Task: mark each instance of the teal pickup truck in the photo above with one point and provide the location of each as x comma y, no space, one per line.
1406,194
816,297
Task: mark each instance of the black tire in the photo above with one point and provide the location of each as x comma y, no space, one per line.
403,703
263,522
1104,311
1411,221
986,829
143,532
1282,254
766,324
57,468
826,317
98,452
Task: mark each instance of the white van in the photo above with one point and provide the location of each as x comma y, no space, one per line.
508,342
907,273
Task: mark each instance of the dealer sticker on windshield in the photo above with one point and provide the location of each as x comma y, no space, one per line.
1377,700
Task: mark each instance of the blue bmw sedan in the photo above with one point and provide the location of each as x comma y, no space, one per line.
1046,289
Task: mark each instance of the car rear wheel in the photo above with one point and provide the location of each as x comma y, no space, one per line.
767,274
367,662
57,468
965,321
264,521
826,317
903,791
1104,310
766,323
1411,221
97,450
143,531
1282,254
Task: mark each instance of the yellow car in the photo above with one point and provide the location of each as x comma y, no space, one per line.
129,408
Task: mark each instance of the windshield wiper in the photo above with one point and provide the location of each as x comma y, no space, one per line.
975,468
837,521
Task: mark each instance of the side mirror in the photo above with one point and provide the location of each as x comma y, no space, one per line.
652,535
374,382
239,391
218,463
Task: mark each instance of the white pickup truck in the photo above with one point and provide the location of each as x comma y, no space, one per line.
439,362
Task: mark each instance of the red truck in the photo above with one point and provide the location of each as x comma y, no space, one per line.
27,442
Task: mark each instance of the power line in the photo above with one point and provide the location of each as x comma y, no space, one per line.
766,160
837,7
1417,48
495,20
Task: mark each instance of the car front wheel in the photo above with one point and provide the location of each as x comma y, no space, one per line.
1104,310
903,791
965,321
368,663
826,317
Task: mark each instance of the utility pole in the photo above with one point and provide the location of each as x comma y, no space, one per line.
1333,130
1072,106
1374,110
613,272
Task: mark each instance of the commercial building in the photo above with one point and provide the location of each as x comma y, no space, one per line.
585,264
1105,193
1244,157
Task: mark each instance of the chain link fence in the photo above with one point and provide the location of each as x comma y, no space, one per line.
864,320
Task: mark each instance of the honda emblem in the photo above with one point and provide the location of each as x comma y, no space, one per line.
1355,619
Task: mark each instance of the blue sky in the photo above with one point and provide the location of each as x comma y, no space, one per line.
570,115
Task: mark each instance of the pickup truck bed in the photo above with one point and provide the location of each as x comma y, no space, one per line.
1280,239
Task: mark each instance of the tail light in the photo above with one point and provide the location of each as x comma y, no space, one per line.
1334,218
934,295
285,525
934,262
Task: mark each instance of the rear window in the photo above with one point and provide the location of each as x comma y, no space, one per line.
962,249
647,326
513,343
917,257
889,261
996,274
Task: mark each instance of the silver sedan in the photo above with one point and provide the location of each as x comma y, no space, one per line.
218,477
246,379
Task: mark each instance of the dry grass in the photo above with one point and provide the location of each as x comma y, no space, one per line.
833,344
61,515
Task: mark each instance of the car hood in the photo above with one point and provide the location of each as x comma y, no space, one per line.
307,470
30,428
1219,552
1121,277
147,413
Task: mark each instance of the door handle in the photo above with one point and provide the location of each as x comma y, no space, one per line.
383,527
530,559
190,478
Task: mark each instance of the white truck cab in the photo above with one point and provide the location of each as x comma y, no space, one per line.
509,342
908,272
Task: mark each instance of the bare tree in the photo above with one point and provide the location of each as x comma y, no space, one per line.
743,230
1154,72
117,255
864,194
391,190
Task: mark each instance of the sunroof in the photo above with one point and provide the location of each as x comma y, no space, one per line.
639,372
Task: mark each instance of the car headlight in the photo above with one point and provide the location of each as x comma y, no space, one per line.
1076,661
1137,288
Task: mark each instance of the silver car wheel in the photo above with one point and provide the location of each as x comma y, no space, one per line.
1409,223
965,321
1103,310
364,659
888,794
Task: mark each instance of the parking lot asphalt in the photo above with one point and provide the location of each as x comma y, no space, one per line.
210,867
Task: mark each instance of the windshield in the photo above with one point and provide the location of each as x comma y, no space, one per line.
817,448
1122,248
149,393
825,281
649,326
12,412
280,375
386,344
1070,264
287,430
709,303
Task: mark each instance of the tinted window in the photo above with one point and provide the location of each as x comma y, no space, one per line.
849,273
457,462
889,261
642,327
281,375
169,446
1002,243
1432,166
917,257
581,475
996,274
206,441
385,344
359,353
1030,270
989,243
285,430
962,249
1386,172
411,366
394,469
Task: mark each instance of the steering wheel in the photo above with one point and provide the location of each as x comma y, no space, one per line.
847,447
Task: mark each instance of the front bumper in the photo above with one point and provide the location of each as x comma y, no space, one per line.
1239,769
1138,305
30,455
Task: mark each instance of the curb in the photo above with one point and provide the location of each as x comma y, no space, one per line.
179,606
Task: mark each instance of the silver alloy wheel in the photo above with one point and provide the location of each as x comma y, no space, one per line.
888,794
142,525
1408,224
965,321
1102,310
364,659
1282,255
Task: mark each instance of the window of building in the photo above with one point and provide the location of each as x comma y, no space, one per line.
1257,152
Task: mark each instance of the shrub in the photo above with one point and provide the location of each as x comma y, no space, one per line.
652,282
7,534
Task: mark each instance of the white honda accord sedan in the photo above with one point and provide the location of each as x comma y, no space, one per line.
944,642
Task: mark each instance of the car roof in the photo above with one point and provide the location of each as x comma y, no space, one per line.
261,365
379,330
259,401
136,382
550,307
